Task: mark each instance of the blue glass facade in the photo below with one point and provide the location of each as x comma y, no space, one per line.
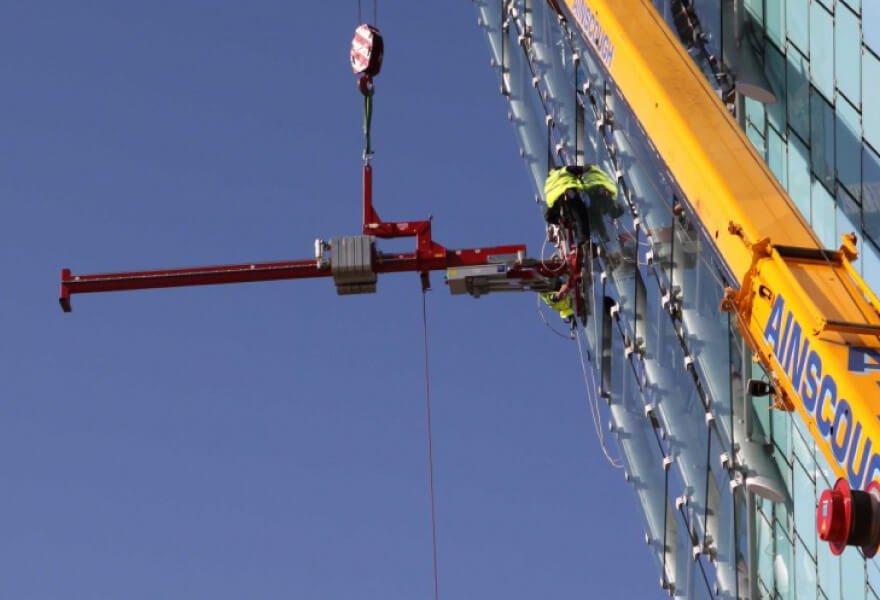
727,486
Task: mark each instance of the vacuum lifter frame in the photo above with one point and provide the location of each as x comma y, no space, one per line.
354,263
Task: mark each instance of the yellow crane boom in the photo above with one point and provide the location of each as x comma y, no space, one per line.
806,313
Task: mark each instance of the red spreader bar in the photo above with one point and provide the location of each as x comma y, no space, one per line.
429,256
274,271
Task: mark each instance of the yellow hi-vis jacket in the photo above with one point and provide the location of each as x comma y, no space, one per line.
559,180
562,306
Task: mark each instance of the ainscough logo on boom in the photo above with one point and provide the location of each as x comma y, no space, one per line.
594,32
817,391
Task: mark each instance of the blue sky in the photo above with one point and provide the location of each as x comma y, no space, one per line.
268,440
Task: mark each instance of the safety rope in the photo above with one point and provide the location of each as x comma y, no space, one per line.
593,402
430,447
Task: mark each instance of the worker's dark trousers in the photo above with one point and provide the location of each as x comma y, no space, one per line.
575,212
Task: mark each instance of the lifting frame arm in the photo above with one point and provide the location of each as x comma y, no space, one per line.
519,272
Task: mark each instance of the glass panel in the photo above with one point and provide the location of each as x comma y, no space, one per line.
848,138
829,571
774,66
822,142
871,110
849,217
755,114
780,426
798,97
847,48
526,110
805,573
764,549
797,21
553,63
871,269
804,500
776,158
755,10
757,139
871,24
873,568
871,193
856,5
780,423
709,12
852,573
783,567
821,51
799,175
701,295
803,445
823,215
775,21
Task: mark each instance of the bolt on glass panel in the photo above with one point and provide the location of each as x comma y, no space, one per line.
821,50
871,193
822,142
797,20
823,213
848,146
799,175
798,93
847,50
871,81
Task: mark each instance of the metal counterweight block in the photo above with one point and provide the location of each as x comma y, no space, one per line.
351,262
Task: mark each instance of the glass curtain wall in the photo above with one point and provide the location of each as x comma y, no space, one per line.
674,368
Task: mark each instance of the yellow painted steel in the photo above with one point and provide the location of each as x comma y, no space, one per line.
807,314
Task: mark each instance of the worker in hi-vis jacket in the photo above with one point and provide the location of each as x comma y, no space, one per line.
562,189
560,301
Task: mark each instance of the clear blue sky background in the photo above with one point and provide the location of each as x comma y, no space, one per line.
268,440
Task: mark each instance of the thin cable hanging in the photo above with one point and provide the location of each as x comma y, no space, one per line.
593,402
430,442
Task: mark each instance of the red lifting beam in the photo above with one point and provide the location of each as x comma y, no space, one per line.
429,256
248,272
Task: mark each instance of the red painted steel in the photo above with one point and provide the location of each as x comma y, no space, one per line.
428,256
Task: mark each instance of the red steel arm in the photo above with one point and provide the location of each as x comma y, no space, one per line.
429,256
273,271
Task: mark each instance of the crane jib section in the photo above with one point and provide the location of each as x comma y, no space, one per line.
806,313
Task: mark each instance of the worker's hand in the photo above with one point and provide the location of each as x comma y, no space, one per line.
554,296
